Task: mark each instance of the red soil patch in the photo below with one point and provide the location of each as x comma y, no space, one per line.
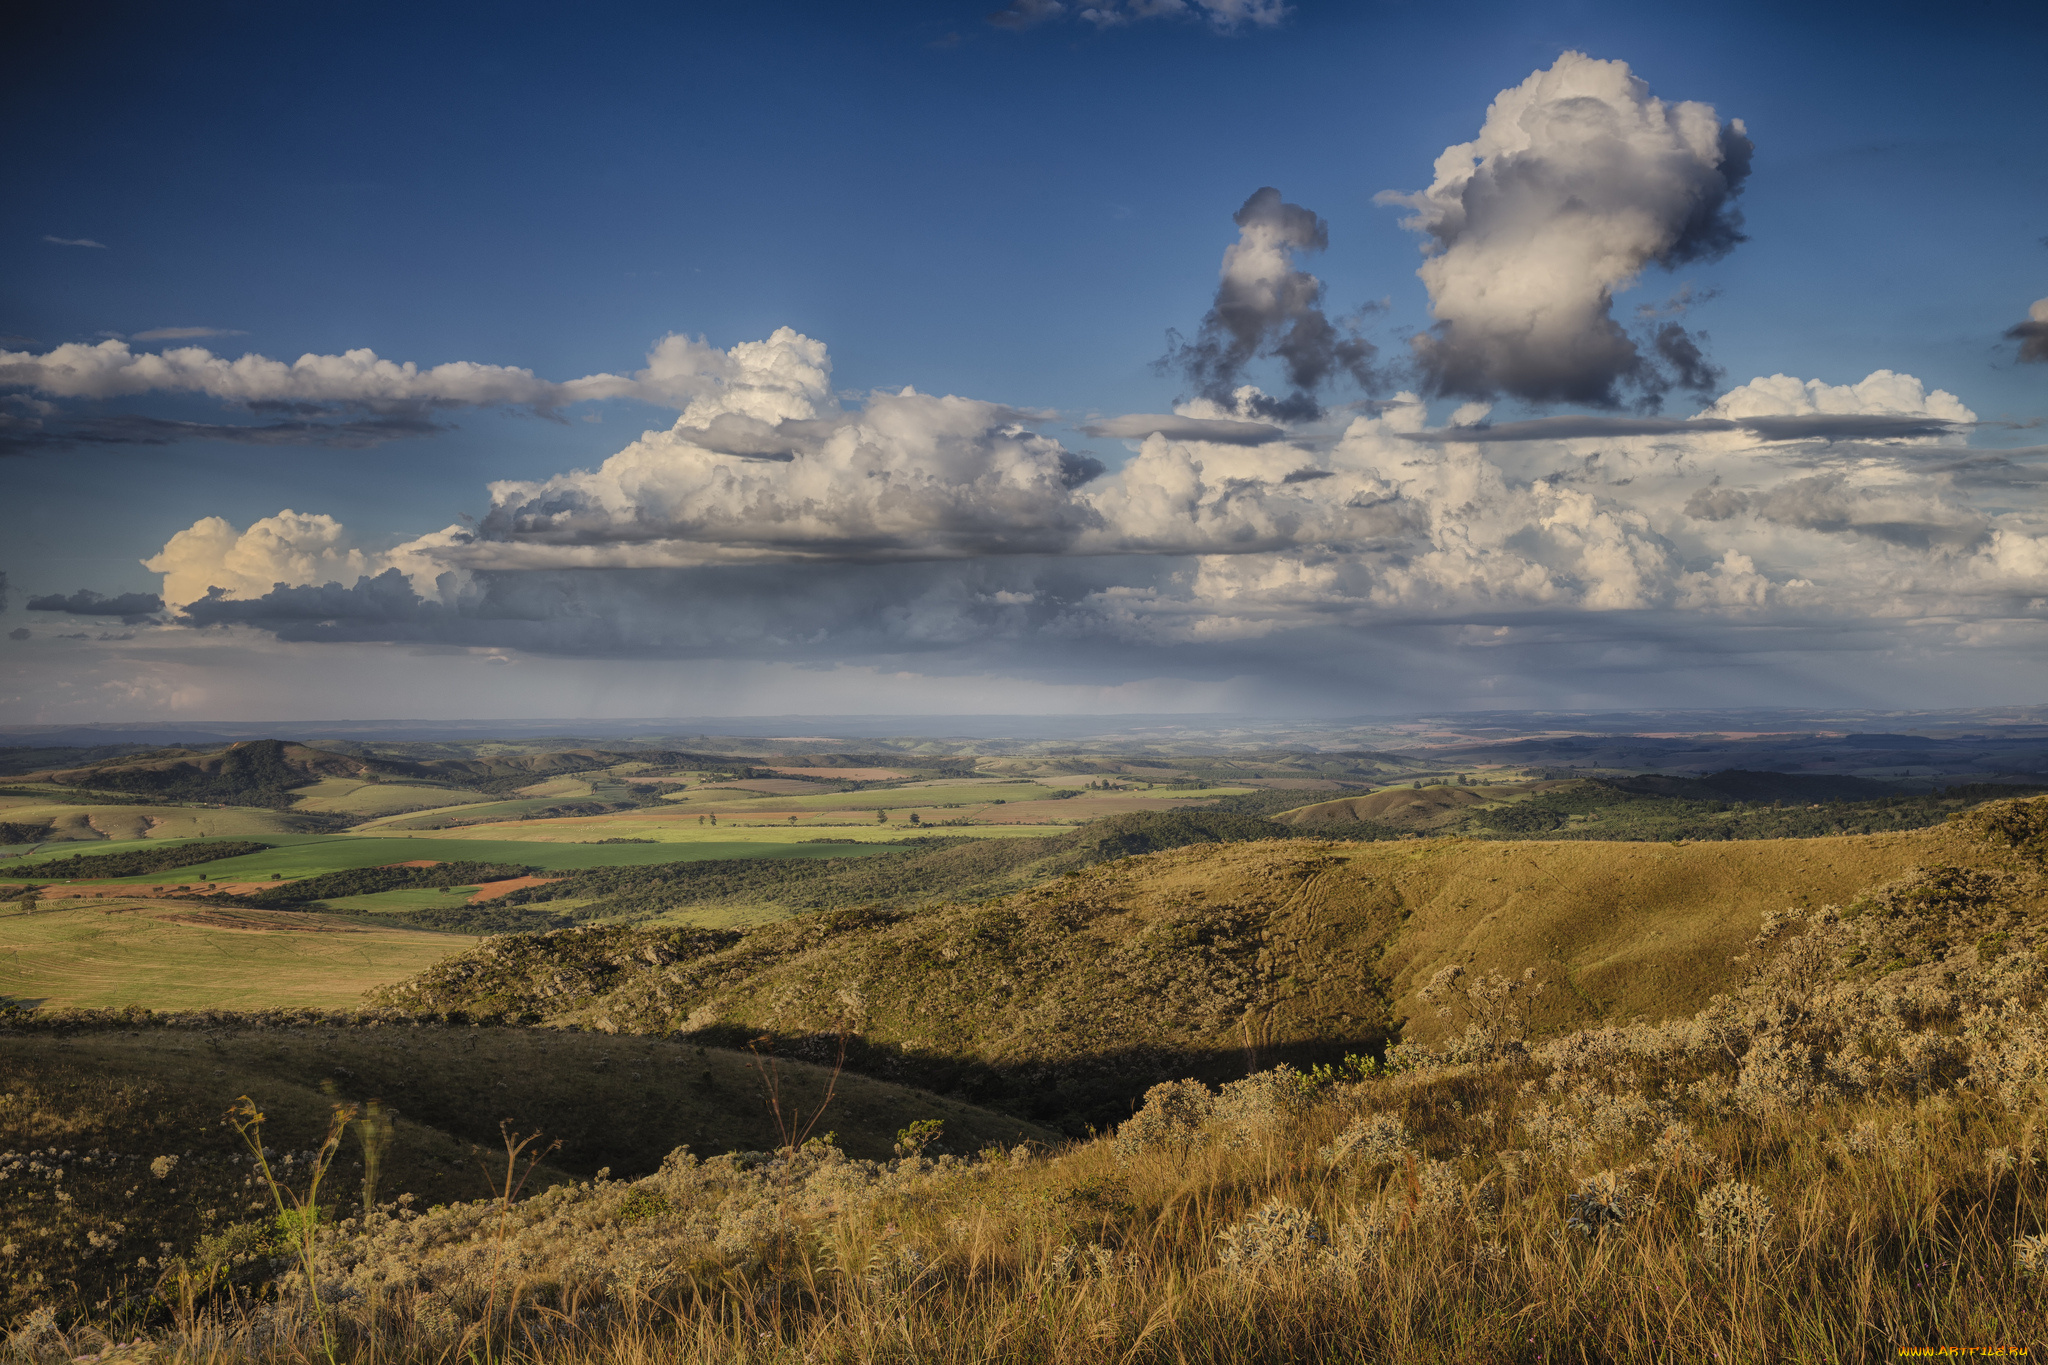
490,891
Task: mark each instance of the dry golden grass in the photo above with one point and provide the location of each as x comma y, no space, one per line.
1638,1194
352,796
1839,1157
1409,807
98,823
1061,996
113,953
128,1095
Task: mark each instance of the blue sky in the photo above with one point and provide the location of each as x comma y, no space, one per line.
1012,214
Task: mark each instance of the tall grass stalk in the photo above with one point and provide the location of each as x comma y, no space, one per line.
301,1219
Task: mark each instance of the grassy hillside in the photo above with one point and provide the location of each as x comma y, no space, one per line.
1838,1158
934,867
261,772
1058,1000
111,954
1405,808
305,856
115,1094
669,824
63,822
1728,805
369,800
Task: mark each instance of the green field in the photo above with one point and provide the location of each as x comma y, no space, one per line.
916,794
306,855
347,795
108,955
479,812
400,902
680,828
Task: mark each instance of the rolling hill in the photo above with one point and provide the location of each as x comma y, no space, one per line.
260,772
1062,1002
1733,804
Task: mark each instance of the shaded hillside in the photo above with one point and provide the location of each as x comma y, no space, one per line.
1065,1001
1741,784
1986,747
262,772
113,1092
258,772
1729,805
16,760
1612,809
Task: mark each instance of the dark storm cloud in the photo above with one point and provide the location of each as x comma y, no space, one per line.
1822,426
1218,431
132,607
1225,16
1023,14
1850,426
1994,468
1267,308
788,612
1914,519
2032,335
1685,364
30,435
1567,429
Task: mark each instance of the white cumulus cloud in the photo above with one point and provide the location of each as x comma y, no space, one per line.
679,370
764,467
772,522
1578,181
290,549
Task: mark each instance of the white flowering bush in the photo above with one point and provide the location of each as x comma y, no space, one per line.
1735,1215
1373,1141
1277,1237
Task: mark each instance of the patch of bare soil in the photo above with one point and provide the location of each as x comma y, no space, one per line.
490,891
